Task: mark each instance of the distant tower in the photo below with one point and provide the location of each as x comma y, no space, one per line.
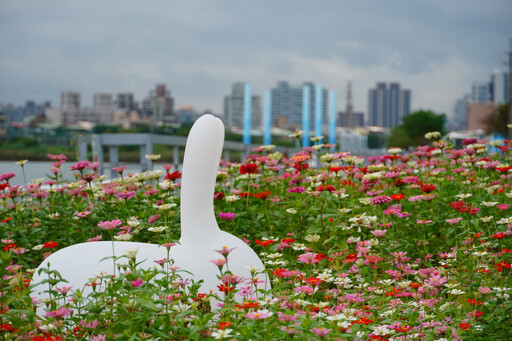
349,110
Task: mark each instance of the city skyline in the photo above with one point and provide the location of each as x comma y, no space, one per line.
199,49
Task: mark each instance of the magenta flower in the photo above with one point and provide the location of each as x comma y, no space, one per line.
227,215
503,207
137,283
298,189
64,290
109,225
95,239
7,176
160,261
305,289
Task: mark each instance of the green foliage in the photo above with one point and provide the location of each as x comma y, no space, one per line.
414,127
498,123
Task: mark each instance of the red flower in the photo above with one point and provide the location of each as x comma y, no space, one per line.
322,188
501,265
248,305
4,186
226,288
474,302
278,272
476,313
173,176
9,246
397,197
7,219
313,281
249,168
264,242
219,195
427,188
335,169
364,320
499,235
50,245
464,326
223,325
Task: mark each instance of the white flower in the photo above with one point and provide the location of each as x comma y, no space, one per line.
21,163
505,221
153,157
382,330
432,135
297,133
486,219
312,238
345,210
123,237
38,247
316,138
222,333
157,229
489,203
133,222
132,254
291,211
232,198
456,292
463,196
394,151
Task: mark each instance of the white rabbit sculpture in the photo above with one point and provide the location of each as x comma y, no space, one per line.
200,234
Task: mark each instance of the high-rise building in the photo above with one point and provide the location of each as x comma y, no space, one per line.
234,107
461,112
500,87
159,105
69,108
286,104
388,104
125,102
102,109
481,92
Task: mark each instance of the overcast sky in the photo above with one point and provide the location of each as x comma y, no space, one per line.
199,48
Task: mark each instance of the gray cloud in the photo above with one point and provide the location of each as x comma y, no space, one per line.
199,48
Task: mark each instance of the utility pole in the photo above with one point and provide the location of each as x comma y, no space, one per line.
349,110
510,81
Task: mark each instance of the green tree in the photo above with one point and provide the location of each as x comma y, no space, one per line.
414,127
497,123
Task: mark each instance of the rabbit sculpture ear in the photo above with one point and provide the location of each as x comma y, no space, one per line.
200,234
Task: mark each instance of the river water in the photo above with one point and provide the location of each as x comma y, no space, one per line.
41,169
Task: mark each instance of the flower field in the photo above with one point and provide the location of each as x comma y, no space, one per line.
403,246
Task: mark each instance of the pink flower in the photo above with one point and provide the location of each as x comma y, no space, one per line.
125,194
95,239
6,176
153,218
419,221
378,233
137,283
453,220
259,314
168,245
227,215
92,324
225,251
64,290
119,170
109,225
219,262
305,289
321,332
167,167
80,165
308,258
160,261
82,214
61,312
380,199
